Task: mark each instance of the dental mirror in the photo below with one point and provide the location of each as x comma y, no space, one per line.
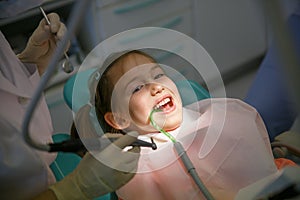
67,65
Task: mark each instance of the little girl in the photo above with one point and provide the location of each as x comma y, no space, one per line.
224,138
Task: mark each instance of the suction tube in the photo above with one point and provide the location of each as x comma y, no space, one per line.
184,158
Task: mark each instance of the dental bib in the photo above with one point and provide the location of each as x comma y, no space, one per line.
226,162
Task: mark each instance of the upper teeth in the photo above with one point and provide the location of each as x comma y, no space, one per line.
163,102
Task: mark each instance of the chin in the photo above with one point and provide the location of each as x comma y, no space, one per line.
171,128
174,124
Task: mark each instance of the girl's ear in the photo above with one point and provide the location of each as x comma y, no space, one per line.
116,121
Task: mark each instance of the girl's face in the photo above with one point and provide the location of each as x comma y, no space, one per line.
141,86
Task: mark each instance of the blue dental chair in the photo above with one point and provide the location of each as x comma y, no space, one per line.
65,163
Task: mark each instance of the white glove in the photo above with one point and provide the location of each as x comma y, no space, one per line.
92,178
42,43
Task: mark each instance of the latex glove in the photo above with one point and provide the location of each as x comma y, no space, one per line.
42,43
289,140
92,178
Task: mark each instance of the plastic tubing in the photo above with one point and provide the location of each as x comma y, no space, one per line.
184,158
158,128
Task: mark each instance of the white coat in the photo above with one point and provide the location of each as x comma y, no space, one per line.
17,85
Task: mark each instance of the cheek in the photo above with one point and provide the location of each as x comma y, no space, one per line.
119,101
139,108
120,106
173,88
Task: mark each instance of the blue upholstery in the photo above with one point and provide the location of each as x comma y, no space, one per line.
269,92
82,95
71,160
191,91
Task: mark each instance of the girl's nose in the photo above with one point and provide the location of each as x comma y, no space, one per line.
156,89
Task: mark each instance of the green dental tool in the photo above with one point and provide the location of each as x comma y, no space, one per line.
153,123
184,157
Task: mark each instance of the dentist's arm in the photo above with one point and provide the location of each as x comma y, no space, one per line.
92,178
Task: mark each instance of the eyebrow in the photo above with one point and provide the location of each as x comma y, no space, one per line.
136,77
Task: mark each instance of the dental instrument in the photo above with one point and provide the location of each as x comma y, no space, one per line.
67,65
71,145
75,145
184,157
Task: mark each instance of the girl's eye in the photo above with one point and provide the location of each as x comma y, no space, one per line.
138,88
158,76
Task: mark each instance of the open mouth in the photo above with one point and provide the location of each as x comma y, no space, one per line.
165,105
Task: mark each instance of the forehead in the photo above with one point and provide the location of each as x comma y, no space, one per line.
127,63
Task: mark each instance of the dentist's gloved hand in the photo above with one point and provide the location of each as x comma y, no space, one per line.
42,43
92,178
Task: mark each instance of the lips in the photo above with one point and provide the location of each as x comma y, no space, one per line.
166,104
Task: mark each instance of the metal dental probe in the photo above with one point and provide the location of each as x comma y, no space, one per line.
67,65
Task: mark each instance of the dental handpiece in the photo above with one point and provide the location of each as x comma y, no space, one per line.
67,65
75,145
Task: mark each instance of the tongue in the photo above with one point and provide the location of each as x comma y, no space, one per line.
167,106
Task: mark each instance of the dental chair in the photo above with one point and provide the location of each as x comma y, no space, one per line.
67,162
